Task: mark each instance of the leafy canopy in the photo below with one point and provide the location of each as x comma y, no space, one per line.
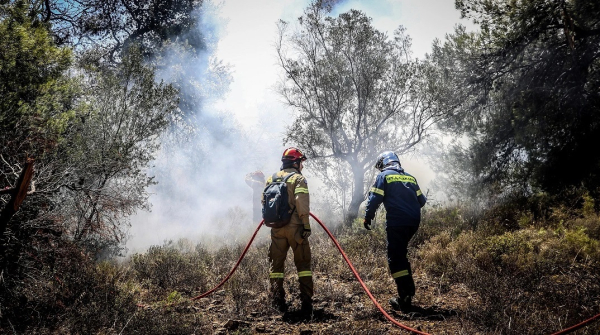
37,97
526,93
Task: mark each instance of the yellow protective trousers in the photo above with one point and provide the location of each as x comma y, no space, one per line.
282,239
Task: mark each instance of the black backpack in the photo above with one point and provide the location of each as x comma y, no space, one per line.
275,206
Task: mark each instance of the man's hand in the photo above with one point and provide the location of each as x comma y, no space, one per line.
306,233
367,224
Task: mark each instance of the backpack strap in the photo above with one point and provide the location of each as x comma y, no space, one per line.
288,177
285,181
274,177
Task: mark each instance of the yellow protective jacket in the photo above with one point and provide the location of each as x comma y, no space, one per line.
298,196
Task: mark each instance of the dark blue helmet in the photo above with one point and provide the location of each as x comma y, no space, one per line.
386,158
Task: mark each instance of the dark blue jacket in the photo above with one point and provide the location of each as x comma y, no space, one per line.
401,197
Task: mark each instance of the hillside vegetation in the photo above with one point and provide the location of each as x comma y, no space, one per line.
530,266
100,101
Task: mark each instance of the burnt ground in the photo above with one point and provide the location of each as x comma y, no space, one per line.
242,305
440,310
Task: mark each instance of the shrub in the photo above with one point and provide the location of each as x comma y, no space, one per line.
63,289
441,220
173,266
526,279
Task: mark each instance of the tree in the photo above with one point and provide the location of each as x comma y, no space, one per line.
37,98
113,25
93,130
173,36
527,93
97,176
356,93
86,183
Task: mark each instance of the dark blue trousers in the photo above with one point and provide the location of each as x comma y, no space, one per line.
397,248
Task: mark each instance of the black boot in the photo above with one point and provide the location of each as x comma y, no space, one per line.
402,304
405,286
280,305
307,309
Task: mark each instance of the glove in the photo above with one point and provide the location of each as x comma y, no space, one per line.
367,224
306,233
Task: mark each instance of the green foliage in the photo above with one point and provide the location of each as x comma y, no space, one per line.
93,128
37,96
589,208
64,289
515,269
441,220
111,27
534,279
526,94
173,297
95,176
170,267
93,136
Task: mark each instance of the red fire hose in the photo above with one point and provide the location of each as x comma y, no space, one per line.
345,258
234,267
577,326
391,319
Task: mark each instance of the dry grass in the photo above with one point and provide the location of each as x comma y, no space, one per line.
504,271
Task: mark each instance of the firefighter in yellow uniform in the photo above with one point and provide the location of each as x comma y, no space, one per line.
293,235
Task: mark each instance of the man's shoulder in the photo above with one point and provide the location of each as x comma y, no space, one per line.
393,175
293,176
395,171
270,178
297,178
388,172
408,174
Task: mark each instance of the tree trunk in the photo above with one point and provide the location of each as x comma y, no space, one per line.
19,192
358,194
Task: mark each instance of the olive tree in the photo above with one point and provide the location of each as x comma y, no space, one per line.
109,151
356,92
93,174
111,26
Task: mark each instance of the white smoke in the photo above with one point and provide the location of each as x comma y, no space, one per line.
241,119
238,127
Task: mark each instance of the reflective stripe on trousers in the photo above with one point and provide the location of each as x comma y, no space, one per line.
282,239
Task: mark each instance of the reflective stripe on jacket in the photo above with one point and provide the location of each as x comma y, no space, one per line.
401,197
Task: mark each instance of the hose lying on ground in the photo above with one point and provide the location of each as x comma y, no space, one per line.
234,267
343,255
390,318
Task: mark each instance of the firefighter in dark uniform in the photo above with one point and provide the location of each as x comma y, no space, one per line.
293,235
402,199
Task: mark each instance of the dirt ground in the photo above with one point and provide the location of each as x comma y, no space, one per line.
438,312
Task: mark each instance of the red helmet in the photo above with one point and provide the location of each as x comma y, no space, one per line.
292,154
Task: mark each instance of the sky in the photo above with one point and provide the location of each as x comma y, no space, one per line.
248,41
243,35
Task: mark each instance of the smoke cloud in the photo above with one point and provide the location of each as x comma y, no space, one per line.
236,127
239,120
